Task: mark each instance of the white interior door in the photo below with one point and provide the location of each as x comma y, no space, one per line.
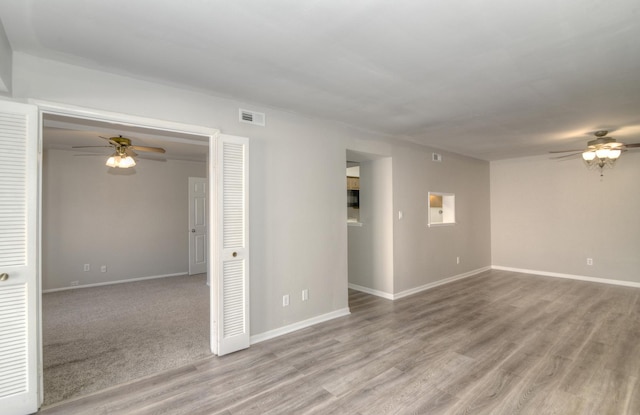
230,288
197,225
18,250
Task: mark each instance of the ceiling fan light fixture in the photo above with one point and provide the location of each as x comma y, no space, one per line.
603,152
127,162
588,155
118,161
113,161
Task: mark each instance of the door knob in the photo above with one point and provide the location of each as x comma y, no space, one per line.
4,276
193,231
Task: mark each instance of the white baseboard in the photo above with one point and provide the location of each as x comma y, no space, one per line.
415,290
569,276
299,325
371,291
99,284
440,282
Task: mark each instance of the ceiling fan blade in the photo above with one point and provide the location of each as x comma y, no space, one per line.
150,149
566,156
89,155
113,143
90,146
130,152
564,151
632,145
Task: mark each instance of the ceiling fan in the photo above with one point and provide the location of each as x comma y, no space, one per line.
124,154
601,152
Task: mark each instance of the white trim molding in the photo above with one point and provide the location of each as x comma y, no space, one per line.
122,118
371,291
434,284
299,325
416,290
568,276
100,284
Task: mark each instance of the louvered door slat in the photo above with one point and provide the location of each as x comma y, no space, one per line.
18,214
233,295
233,273
13,153
13,344
233,199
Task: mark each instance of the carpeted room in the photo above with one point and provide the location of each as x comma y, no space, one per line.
99,337
124,225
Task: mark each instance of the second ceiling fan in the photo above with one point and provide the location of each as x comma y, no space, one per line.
124,154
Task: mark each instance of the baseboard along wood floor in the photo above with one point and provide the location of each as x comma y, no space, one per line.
496,343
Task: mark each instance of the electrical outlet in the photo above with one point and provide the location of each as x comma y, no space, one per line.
285,300
103,268
457,260
74,283
589,261
305,295
87,267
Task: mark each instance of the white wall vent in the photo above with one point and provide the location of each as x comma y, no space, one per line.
252,117
436,157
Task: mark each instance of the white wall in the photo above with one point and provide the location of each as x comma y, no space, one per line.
371,245
135,221
550,215
297,188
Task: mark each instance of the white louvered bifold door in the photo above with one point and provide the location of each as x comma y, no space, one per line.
232,240
18,289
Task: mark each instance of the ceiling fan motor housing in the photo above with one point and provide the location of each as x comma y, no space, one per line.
121,141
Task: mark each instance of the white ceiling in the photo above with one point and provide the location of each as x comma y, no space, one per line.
491,79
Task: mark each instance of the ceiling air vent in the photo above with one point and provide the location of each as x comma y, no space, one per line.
436,157
252,117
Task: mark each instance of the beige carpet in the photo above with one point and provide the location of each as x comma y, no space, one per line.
103,336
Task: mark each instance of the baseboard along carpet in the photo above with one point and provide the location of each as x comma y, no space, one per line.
94,338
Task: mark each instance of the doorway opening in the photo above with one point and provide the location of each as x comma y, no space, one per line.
114,233
370,238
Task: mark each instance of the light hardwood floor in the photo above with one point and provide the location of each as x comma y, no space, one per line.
495,343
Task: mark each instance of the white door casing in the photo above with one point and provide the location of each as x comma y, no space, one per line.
18,258
233,331
230,288
197,225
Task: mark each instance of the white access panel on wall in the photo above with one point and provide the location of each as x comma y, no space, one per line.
230,322
18,246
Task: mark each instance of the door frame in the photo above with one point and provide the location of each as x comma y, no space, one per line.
53,108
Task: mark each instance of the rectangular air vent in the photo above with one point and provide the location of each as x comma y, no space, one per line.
252,117
436,157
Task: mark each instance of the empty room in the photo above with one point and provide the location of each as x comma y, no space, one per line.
409,207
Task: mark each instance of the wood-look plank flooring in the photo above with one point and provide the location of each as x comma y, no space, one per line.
496,343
